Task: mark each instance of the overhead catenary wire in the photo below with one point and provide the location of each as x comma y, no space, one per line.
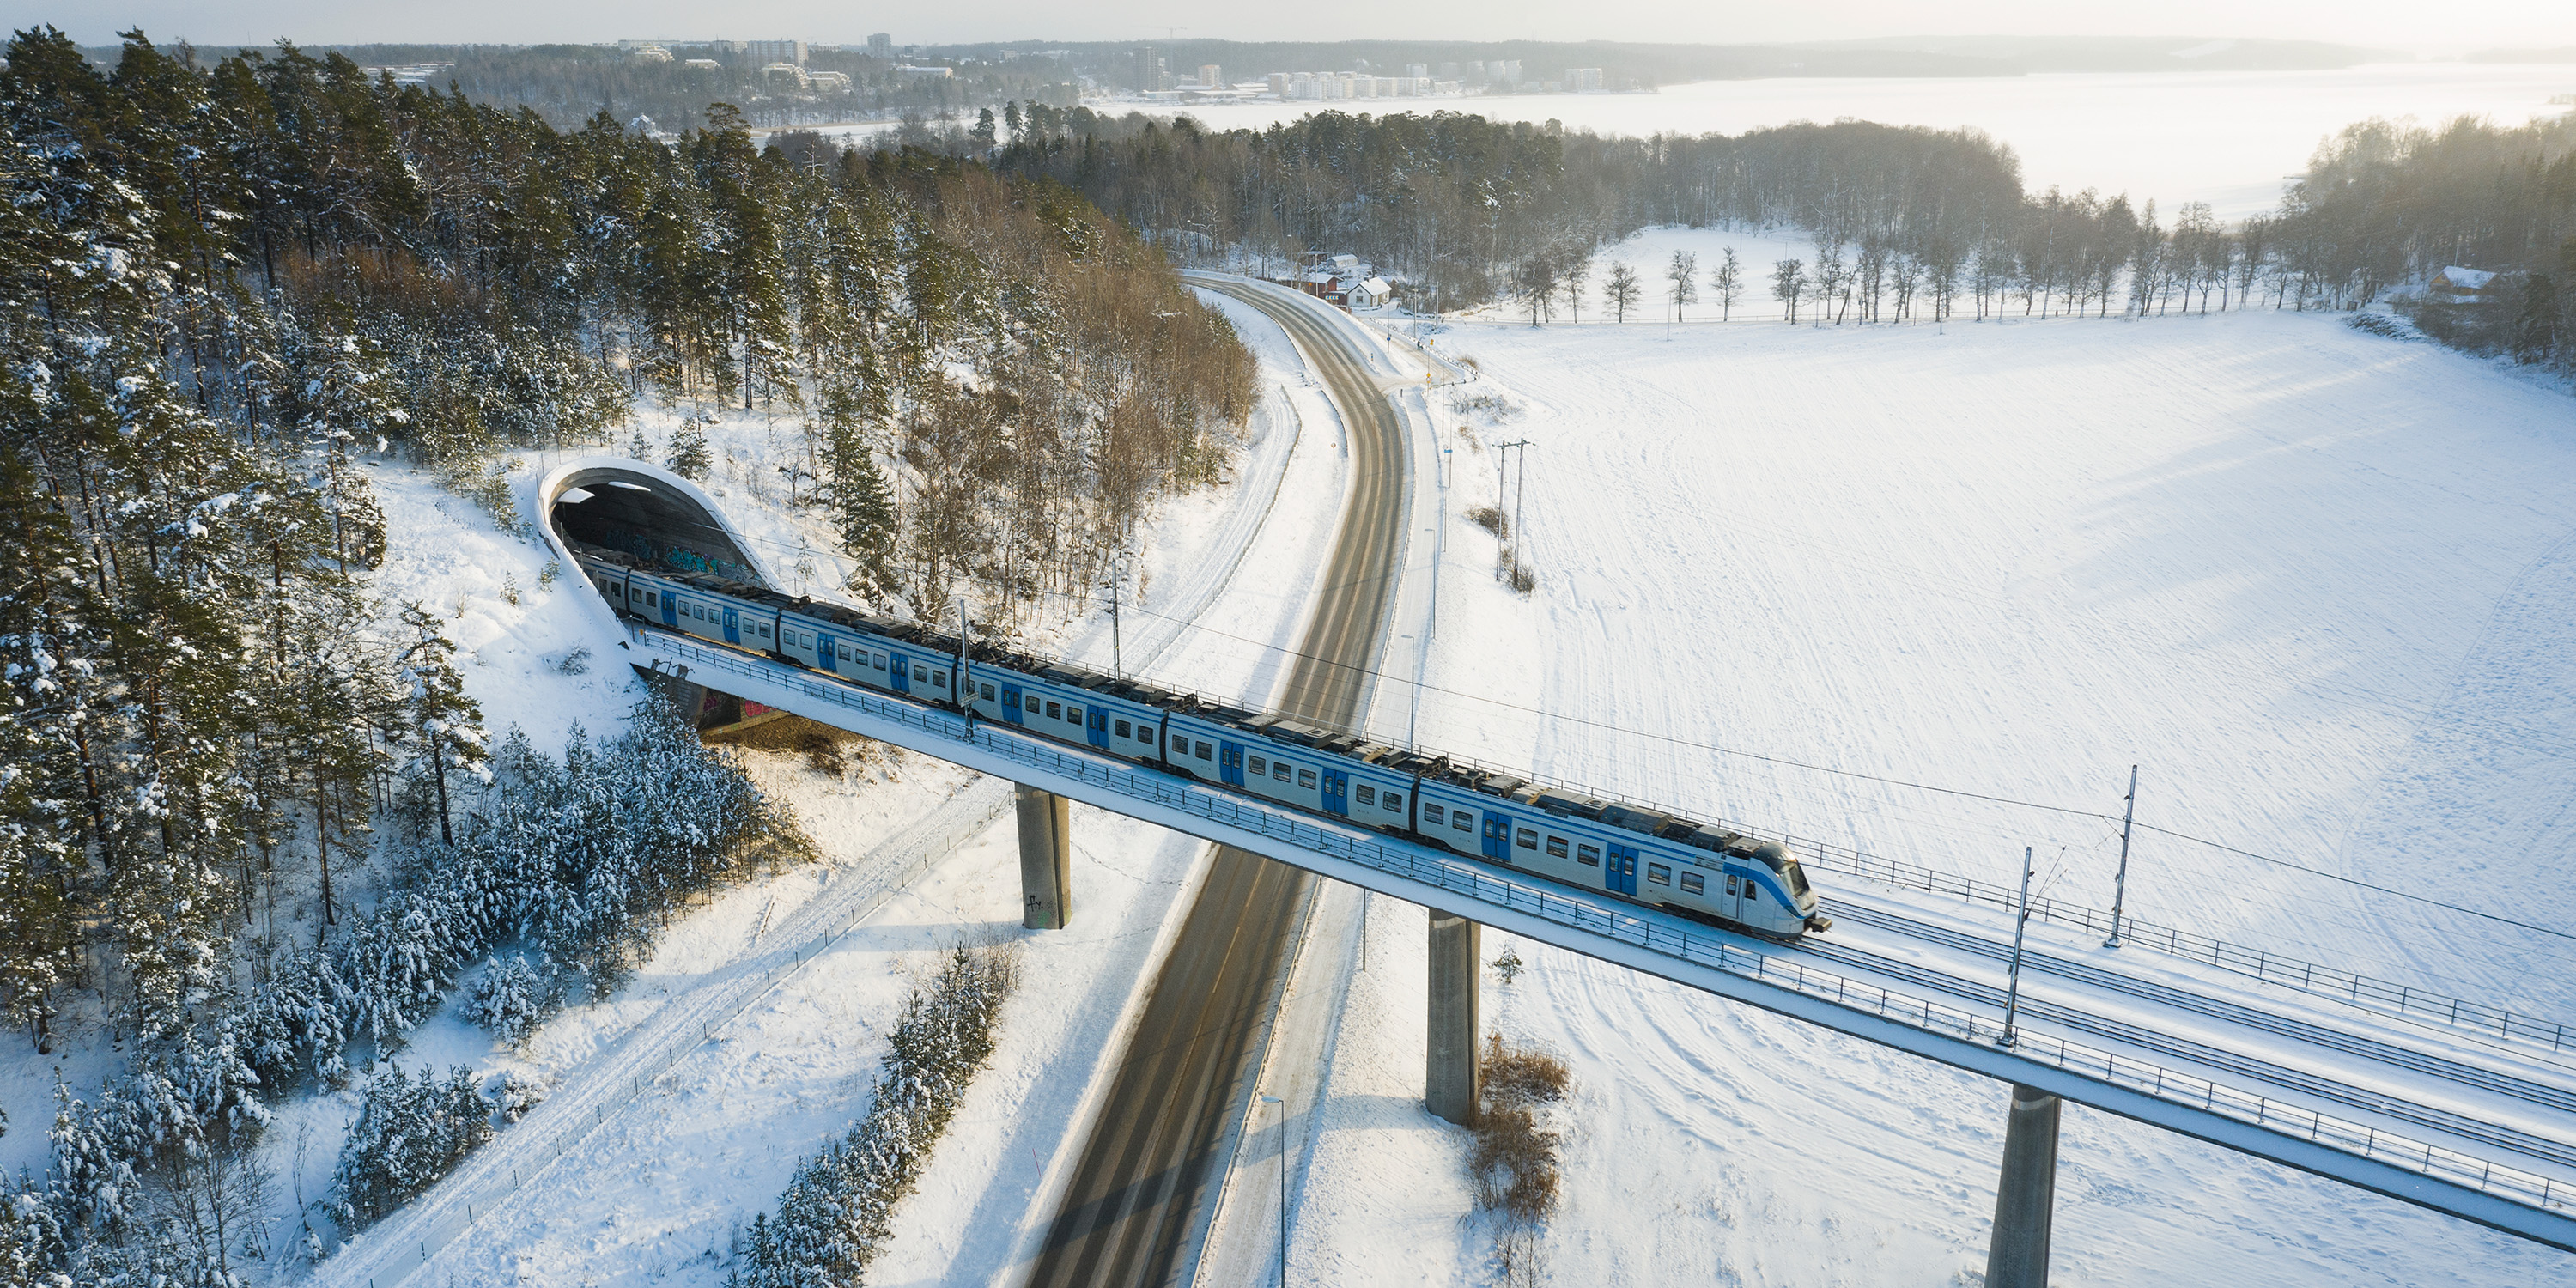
1792,763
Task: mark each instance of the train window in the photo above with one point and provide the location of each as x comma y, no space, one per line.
920,673
1367,794
1463,820
1529,840
1694,883
1659,874
1122,729
877,661
1394,802
1752,892
1305,778
1055,711
1279,770
939,678
845,652
1556,847
1588,855
1206,751
1730,887
1260,767
1011,699
1434,815
987,693
648,600
1073,713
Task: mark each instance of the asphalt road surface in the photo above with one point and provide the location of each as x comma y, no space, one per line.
1150,1166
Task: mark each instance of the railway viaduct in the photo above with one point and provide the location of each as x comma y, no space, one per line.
1139,1193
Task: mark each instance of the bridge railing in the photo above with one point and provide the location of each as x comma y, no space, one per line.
2272,967
1481,885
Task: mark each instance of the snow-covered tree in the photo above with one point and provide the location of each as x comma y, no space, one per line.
511,998
444,723
689,456
409,1132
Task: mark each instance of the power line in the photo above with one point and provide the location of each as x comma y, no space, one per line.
1886,780
1786,762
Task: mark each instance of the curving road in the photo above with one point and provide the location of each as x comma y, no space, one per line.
1149,1170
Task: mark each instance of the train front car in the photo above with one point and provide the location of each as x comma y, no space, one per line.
1793,882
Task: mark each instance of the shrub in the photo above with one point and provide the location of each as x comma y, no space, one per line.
1515,1164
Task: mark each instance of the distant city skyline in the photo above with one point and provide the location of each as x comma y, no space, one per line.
2411,27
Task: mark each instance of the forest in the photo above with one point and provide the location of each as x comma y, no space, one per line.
250,823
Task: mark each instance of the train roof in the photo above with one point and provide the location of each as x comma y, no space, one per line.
1564,802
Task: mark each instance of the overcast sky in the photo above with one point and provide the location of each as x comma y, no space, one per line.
2408,24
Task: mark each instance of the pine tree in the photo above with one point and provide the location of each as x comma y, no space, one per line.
862,512
445,723
689,457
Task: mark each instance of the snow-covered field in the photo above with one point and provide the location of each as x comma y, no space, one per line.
2319,584
2226,138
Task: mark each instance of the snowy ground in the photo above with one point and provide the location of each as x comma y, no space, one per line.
2316,582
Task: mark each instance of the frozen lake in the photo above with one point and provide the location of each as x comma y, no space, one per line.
2226,138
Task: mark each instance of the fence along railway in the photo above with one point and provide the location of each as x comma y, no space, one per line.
2334,1113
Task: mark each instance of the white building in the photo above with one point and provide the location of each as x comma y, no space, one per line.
1583,80
925,73
775,51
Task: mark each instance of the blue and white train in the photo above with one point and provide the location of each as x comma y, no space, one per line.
1639,855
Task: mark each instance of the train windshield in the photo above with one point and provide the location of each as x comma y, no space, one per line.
1776,857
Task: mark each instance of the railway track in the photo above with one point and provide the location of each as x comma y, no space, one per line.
2316,1086
2503,1084
1143,1184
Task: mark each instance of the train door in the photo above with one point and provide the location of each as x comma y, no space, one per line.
1337,793
1011,703
1498,837
1096,723
1229,763
670,610
899,671
1619,870
732,626
823,649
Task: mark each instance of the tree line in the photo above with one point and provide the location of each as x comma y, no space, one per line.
1907,222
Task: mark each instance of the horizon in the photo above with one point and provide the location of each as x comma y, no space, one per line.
2379,25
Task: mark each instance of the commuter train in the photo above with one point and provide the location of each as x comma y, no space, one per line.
1639,855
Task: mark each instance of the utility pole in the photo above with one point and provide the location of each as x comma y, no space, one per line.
965,690
2120,884
1521,484
2021,920
1117,644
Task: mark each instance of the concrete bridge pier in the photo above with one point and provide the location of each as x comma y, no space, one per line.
2026,1201
1450,1087
1046,859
